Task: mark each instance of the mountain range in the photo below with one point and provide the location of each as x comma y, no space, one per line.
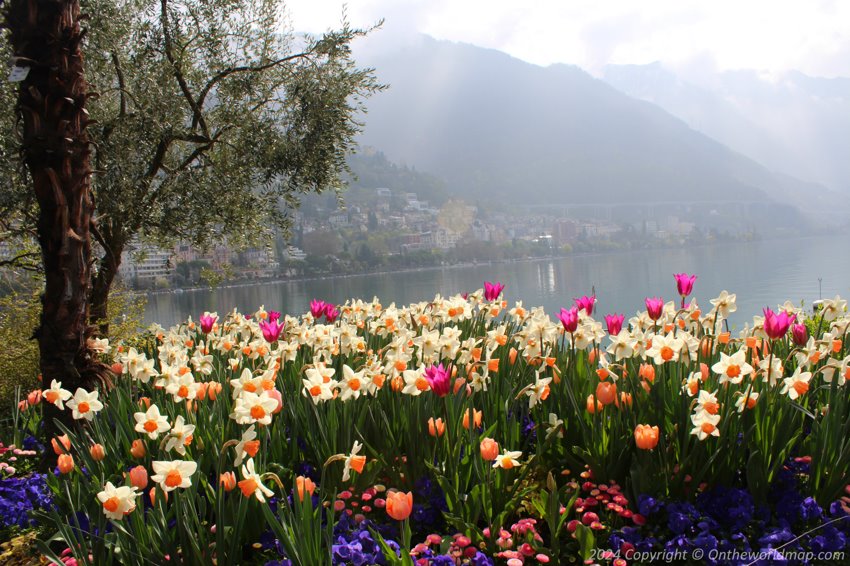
497,128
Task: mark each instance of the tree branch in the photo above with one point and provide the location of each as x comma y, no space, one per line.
197,114
220,76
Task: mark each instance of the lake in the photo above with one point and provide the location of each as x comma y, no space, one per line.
763,273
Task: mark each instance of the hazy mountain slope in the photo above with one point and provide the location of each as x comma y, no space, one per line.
791,123
495,127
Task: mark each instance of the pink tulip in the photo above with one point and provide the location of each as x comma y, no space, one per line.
331,312
684,283
800,334
273,316
569,318
317,308
207,321
654,306
271,330
438,377
614,322
493,290
776,324
586,303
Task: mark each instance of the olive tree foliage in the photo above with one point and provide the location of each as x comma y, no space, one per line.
211,119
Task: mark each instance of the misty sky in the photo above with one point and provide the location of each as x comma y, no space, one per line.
812,36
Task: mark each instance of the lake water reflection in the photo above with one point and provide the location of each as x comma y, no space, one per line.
761,273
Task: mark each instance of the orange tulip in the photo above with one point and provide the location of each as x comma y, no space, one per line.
137,449
303,485
227,480
97,452
591,357
489,449
436,427
399,505
59,443
476,418
397,383
512,356
646,437
606,392
647,372
117,368
626,399
724,337
139,477
213,389
65,463
592,407
34,397
145,401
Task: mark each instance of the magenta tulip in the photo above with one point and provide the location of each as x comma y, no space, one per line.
493,290
331,312
207,321
800,334
317,308
569,318
614,322
271,330
586,303
776,324
654,307
439,378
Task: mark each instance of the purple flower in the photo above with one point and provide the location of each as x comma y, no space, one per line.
207,321
493,290
776,324
684,283
614,322
271,330
438,377
586,303
317,308
569,318
331,312
654,307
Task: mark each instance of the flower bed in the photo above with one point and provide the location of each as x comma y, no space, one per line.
460,430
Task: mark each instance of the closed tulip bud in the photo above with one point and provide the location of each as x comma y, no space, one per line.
34,397
399,505
275,394
227,480
65,463
97,452
476,418
139,477
117,368
137,449
606,392
593,405
145,402
213,389
436,427
489,449
61,444
304,485
646,437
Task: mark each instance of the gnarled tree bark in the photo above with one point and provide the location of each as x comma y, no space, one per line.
46,36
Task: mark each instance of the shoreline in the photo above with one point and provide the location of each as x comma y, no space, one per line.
460,265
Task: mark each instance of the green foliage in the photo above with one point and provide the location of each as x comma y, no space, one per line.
19,314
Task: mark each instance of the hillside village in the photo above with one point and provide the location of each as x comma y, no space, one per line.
389,229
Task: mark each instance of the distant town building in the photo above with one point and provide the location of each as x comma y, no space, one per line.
145,265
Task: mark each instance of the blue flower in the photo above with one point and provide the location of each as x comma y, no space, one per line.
810,510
